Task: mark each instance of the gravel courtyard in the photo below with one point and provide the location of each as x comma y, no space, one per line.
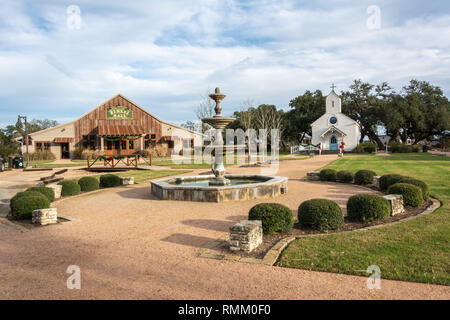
130,245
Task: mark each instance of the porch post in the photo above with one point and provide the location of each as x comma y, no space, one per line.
102,144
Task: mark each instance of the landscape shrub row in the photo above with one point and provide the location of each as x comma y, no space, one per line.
365,177
360,177
23,203
324,214
365,147
398,147
320,214
388,180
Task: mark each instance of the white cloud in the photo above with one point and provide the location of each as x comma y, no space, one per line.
164,55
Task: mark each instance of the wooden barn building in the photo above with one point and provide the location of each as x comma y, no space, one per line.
118,126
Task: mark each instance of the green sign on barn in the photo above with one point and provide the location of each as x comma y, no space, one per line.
119,113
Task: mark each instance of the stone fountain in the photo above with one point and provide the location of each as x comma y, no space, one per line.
220,186
218,122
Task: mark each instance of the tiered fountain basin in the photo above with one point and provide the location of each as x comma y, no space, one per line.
241,187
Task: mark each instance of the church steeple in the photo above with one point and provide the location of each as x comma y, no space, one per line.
333,101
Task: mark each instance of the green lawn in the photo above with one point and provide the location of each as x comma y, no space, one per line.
416,250
50,164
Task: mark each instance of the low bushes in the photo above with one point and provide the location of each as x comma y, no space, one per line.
69,188
88,184
49,193
23,204
397,147
109,180
328,175
389,179
412,195
40,155
419,183
321,214
367,207
274,217
364,176
345,176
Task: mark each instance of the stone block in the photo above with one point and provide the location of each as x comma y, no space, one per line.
313,175
126,180
246,235
396,203
44,216
56,189
376,181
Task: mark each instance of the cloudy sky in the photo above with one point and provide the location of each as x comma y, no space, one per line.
165,55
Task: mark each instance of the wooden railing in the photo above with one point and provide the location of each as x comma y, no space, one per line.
129,161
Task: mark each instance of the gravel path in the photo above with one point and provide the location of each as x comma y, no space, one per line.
130,245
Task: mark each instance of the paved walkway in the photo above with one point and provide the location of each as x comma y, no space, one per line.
130,245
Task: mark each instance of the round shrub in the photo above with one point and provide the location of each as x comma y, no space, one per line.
367,207
88,184
109,180
422,185
69,188
328,175
345,176
274,217
364,176
23,204
389,179
321,214
45,191
412,195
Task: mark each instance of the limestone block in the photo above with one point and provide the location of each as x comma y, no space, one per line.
56,189
376,181
44,216
396,203
127,180
313,175
246,235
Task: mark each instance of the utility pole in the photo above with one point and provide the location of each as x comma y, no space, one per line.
19,123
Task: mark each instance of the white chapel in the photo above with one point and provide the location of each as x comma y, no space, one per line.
334,127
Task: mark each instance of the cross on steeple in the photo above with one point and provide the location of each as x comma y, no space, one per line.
332,87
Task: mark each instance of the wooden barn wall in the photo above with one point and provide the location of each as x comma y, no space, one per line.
88,124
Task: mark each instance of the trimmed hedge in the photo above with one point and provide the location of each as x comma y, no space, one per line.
88,184
49,193
412,195
328,175
364,176
389,179
367,207
398,147
69,188
23,204
345,176
274,217
109,180
422,185
321,214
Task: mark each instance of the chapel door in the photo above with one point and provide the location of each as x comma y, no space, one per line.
333,143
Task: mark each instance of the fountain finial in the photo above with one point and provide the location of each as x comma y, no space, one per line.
217,97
